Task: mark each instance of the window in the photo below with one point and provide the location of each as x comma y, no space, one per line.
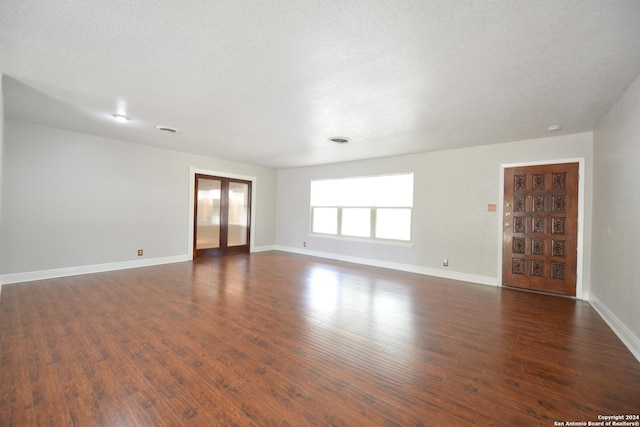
374,207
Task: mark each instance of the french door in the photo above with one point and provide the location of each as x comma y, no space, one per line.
222,219
540,228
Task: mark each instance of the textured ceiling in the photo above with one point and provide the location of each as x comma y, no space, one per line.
266,82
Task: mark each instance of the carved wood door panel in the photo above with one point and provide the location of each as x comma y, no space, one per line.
540,228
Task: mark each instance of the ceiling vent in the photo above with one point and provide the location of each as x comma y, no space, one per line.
168,129
339,140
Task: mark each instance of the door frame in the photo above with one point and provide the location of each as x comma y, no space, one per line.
580,292
192,188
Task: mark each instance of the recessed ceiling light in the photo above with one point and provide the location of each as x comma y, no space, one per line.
168,129
121,117
554,128
339,139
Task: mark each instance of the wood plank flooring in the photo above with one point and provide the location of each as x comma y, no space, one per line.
276,339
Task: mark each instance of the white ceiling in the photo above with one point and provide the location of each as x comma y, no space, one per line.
266,82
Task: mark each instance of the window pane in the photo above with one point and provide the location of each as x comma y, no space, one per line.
325,192
384,190
356,222
325,220
393,224
393,190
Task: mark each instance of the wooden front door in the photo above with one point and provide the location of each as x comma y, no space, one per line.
222,216
540,228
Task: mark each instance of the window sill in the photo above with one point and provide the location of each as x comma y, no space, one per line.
363,240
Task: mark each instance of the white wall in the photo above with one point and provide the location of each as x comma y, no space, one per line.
73,200
1,140
615,269
1,145
450,217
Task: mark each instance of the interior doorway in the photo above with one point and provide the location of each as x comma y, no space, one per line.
222,215
540,228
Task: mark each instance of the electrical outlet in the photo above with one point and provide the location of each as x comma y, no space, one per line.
304,244
445,262
140,252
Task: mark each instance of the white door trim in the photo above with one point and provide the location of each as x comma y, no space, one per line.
580,294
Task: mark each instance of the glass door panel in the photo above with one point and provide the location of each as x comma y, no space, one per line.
238,213
222,219
208,213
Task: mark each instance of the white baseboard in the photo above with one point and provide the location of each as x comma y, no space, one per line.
263,248
6,279
29,276
464,277
625,334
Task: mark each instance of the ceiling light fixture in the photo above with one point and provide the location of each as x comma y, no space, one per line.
168,129
554,128
121,118
339,140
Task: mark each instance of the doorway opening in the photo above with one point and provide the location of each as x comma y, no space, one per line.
221,213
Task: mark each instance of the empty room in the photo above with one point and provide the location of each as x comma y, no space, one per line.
320,213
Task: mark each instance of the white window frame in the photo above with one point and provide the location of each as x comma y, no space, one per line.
373,212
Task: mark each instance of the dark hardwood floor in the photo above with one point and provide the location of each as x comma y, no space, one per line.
280,339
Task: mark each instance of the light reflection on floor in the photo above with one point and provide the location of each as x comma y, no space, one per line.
374,311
